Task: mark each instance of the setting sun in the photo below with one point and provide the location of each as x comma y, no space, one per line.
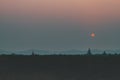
93,35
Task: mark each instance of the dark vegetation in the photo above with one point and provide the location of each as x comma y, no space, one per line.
60,67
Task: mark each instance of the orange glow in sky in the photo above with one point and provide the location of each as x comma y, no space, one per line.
88,11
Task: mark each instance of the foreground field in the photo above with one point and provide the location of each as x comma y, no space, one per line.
54,67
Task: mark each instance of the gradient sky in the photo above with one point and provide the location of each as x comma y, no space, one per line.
59,24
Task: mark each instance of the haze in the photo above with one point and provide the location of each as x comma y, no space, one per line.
59,24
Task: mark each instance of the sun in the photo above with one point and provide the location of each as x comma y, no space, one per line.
92,35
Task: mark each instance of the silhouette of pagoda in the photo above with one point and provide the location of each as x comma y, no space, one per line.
104,53
89,52
33,53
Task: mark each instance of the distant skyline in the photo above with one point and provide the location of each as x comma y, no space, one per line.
59,24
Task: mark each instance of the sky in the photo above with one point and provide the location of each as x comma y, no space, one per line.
59,24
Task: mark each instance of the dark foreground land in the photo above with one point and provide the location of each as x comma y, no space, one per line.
87,67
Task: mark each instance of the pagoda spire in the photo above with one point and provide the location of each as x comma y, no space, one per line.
89,52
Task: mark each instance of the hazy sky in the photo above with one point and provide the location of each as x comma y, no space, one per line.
59,24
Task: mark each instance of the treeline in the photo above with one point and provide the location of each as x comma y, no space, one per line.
88,53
